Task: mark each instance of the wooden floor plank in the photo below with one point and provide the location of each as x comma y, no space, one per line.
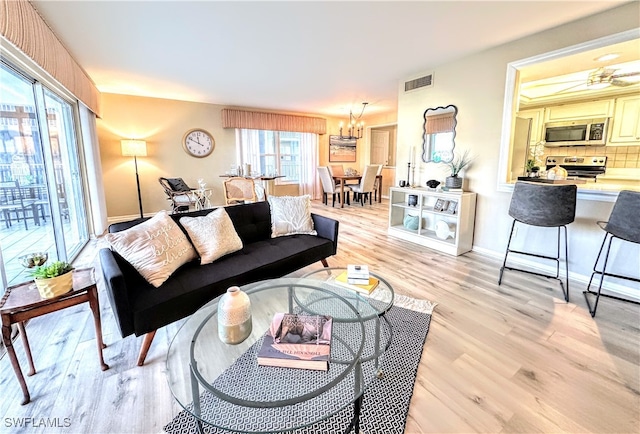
509,358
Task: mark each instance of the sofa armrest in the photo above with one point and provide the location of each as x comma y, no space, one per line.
326,228
117,291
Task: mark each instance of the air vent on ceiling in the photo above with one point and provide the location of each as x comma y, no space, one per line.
417,83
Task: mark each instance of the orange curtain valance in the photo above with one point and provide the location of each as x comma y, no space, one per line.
443,123
22,26
233,118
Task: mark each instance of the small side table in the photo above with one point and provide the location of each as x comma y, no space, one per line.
22,302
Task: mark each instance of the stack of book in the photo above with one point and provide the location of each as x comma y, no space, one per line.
297,341
358,274
357,277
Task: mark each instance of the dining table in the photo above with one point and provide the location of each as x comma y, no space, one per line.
268,181
344,178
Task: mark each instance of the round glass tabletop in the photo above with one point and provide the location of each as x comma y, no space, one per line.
381,298
223,385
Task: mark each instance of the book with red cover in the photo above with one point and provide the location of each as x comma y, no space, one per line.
297,341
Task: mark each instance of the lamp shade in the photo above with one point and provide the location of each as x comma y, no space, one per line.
133,148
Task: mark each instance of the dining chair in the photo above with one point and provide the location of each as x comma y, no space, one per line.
329,187
367,182
12,200
239,190
178,193
376,185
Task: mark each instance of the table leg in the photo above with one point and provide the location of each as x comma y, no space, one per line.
342,194
6,339
95,309
27,348
380,190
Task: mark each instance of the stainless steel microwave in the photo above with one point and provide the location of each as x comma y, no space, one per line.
583,132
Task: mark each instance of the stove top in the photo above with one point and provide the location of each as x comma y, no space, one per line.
580,167
599,161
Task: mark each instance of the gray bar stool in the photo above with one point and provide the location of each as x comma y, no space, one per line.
624,224
545,205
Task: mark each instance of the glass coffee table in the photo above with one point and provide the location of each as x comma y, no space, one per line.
381,298
222,385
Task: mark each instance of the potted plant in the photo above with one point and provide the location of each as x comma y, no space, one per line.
458,163
531,168
53,279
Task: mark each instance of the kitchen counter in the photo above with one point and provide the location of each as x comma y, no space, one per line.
605,188
552,181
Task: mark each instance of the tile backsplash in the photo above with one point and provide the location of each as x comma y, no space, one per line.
618,157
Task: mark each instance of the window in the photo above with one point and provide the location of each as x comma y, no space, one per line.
41,193
278,153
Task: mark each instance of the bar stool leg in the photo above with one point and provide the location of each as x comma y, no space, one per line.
504,263
592,311
566,263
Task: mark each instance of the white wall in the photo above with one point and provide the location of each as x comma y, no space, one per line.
476,85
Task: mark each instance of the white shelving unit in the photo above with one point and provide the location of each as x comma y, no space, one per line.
443,230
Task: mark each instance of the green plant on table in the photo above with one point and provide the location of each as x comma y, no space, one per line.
55,269
531,166
459,163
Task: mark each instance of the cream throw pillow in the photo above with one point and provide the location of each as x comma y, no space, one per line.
212,235
156,248
291,215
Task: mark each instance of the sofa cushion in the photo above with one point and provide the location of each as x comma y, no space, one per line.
291,215
213,235
155,248
194,285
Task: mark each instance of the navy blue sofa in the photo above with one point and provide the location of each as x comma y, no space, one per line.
141,309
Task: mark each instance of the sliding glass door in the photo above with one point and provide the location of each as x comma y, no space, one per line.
41,200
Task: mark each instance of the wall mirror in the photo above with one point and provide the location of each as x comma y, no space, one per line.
439,134
570,76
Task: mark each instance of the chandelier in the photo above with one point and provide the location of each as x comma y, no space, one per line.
355,128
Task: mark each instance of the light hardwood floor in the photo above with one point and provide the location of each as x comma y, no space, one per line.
514,358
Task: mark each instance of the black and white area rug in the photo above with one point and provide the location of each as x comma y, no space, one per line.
386,401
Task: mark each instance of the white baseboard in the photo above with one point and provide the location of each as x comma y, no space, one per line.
610,287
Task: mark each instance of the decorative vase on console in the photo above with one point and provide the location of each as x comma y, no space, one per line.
458,163
234,316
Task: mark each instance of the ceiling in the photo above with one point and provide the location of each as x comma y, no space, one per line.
302,56
566,77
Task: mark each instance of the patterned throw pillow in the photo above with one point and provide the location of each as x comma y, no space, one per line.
156,247
291,215
213,235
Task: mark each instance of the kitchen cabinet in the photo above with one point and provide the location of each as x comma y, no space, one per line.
439,220
537,123
583,110
625,125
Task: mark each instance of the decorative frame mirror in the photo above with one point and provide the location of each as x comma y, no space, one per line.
439,134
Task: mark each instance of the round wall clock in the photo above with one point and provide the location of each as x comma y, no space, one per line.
198,143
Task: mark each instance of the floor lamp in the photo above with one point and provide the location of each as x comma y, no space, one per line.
135,149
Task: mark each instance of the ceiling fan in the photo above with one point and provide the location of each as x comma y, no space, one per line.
595,79
603,77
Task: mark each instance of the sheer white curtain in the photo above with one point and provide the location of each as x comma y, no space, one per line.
248,146
97,203
308,164
248,149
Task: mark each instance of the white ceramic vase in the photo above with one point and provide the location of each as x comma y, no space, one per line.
234,316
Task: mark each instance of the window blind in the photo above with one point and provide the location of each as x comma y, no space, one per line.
443,123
